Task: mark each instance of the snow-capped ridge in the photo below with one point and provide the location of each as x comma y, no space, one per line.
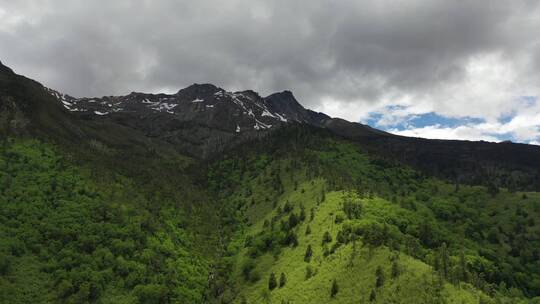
240,110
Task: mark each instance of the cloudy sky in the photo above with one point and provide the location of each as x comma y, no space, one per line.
437,69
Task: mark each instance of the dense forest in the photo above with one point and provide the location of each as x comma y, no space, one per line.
294,217
81,235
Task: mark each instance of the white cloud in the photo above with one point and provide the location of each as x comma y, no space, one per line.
520,129
492,87
350,111
438,132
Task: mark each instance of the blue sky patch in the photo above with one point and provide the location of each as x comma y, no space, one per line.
400,120
422,120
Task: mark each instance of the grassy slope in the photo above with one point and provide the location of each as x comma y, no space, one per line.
355,275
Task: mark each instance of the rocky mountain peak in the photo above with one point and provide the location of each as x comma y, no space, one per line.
196,88
237,112
5,69
200,115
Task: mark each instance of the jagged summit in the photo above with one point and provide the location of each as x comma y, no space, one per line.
237,112
201,118
285,102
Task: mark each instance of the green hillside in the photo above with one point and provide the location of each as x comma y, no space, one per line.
382,232
78,235
295,217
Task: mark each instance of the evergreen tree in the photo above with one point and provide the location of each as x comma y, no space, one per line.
445,260
463,266
272,281
282,280
354,251
425,233
308,230
372,295
334,290
309,272
293,221
379,274
395,269
302,216
291,239
492,189
309,253
327,238
287,207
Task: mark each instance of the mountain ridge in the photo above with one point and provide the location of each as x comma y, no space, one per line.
203,120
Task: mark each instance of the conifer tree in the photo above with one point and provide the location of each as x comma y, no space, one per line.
463,266
395,269
379,274
272,281
309,272
445,260
282,280
302,216
334,290
372,295
327,238
309,253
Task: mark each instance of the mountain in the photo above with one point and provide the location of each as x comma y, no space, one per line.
203,120
209,196
200,120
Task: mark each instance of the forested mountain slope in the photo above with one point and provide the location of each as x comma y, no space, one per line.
88,234
315,210
203,120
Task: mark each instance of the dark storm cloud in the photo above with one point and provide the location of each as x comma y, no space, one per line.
352,53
